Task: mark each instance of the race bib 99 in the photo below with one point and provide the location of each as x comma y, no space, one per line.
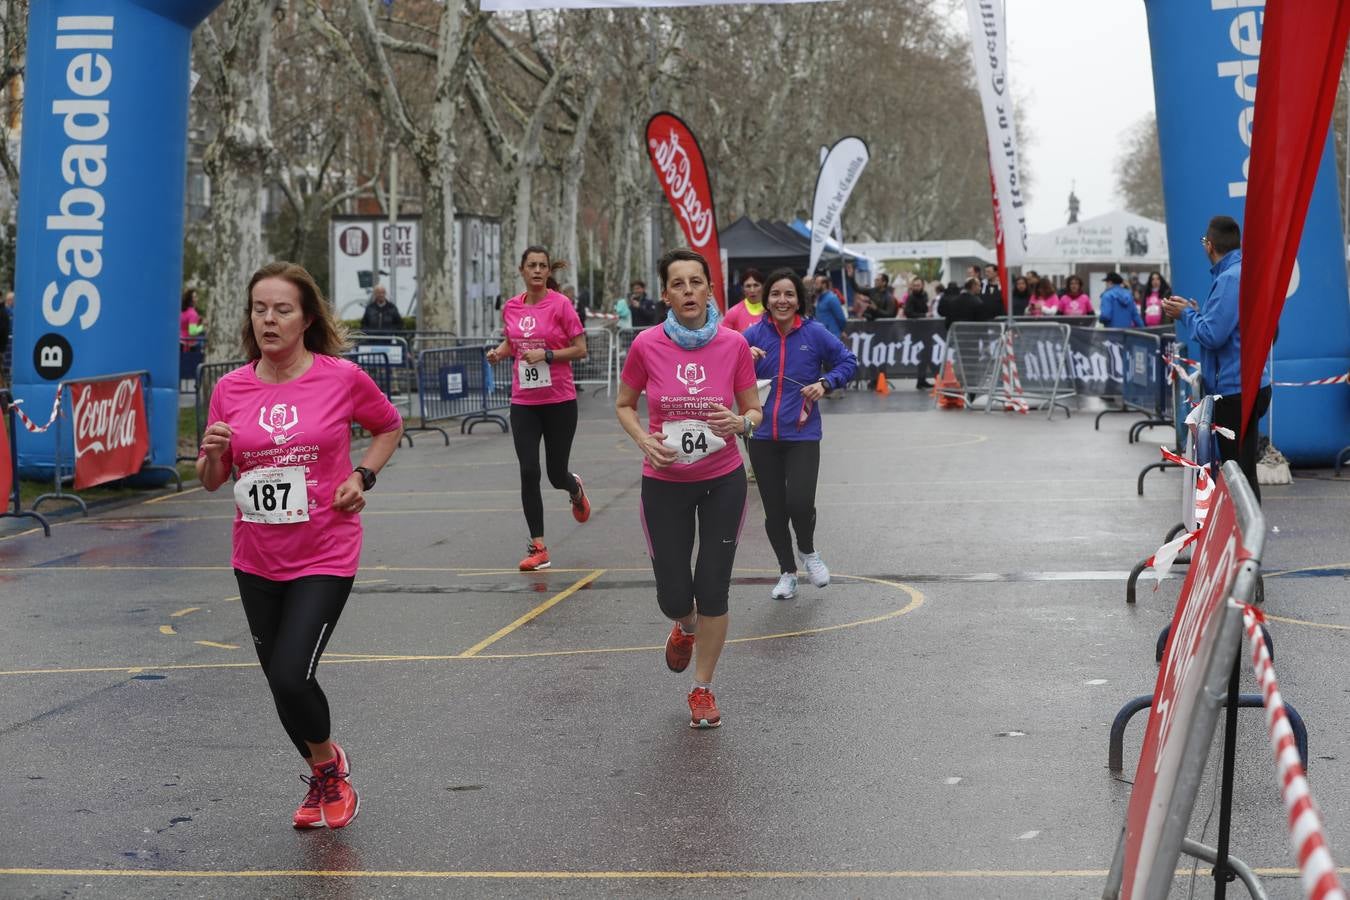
273,495
534,375
691,439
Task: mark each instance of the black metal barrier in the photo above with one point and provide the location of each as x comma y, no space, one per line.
207,376
460,383
377,366
1179,403
12,506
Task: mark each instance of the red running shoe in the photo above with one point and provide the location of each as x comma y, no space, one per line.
679,648
581,504
703,712
340,803
535,558
310,813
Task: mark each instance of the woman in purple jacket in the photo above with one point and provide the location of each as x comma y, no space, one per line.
803,361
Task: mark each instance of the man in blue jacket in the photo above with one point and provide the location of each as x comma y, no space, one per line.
1118,309
829,308
1213,335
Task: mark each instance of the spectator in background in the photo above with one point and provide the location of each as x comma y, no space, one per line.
917,306
991,289
751,309
191,325
1033,279
1155,293
641,307
6,321
963,304
380,314
1021,295
881,299
624,312
1074,302
829,308
1118,309
1044,300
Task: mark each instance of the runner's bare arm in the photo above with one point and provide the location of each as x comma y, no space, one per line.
651,445
499,352
211,468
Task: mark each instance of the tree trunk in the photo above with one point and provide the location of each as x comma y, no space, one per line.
237,162
574,168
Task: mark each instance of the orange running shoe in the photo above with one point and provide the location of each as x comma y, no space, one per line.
679,648
310,813
536,557
703,712
340,803
581,504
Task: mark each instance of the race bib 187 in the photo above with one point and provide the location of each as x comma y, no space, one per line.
691,439
534,375
273,495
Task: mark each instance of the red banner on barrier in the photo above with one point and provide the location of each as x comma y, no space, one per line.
679,166
1190,644
111,437
6,464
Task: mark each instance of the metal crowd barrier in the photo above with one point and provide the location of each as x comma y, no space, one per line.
402,362
207,376
597,369
1145,387
1042,353
973,350
459,383
377,366
191,354
9,422
623,340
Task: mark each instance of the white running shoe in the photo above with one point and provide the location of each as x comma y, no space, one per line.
815,568
786,588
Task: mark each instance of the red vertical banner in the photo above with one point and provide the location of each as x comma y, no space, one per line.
111,437
1302,47
6,463
999,244
679,166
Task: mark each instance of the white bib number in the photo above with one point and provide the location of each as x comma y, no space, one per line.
534,375
273,495
691,439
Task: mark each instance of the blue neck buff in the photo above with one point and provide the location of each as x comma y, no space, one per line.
692,339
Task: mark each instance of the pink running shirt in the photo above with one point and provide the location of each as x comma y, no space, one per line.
550,324
739,317
684,384
1075,306
305,422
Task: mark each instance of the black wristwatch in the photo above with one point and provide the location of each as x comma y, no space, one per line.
367,477
548,356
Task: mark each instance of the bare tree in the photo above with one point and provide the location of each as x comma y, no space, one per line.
428,136
13,52
1139,171
235,46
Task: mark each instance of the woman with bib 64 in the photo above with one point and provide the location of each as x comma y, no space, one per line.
692,479
284,420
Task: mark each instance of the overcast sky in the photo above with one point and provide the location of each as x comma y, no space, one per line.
1080,69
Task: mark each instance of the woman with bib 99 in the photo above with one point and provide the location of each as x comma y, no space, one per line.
544,335
692,480
804,362
284,420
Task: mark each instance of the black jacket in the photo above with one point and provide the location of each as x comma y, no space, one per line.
962,307
916,305
381,318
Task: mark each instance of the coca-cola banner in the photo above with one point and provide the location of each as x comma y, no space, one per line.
6,464
111,438
679,167
906,348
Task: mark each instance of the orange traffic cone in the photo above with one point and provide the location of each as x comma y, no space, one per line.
947,385
883,388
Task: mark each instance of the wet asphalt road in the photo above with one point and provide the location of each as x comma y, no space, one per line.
931,725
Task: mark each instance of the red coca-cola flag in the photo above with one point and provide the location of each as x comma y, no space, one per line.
6,464
1302,46
111,437
679,167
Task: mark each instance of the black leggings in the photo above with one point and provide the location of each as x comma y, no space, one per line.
786,472
669,511
1228,412
556,423
291,622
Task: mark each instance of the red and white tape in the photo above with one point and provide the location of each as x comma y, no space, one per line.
1335,379
1306,835
28,423
1012,384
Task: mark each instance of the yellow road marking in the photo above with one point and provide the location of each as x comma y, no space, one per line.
916,600
1327,625
613,875
162,497
533,614
184,612
214,644
166,629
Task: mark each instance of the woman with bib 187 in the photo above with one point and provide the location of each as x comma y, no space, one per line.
544,335
284,420
693,482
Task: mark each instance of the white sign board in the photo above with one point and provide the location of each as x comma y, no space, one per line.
362,252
